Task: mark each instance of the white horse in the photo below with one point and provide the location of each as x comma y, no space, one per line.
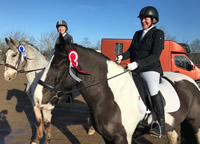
24,57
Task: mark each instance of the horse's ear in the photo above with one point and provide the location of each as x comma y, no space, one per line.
14,42
6,40
11,44
62,42
61,39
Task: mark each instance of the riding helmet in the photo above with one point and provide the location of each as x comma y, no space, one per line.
61,23
149,11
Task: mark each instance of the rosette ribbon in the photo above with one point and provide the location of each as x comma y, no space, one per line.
73,59
21,49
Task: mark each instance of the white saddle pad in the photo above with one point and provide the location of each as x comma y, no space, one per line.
171,98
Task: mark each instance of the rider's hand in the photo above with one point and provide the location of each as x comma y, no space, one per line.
132,66
118,59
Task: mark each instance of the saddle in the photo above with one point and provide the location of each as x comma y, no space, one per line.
144,91
169,96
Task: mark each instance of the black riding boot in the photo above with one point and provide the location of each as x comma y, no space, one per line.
158,129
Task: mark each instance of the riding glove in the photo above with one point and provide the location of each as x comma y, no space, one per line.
118,59
132,66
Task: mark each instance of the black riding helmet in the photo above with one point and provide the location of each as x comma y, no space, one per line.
61,23
149,11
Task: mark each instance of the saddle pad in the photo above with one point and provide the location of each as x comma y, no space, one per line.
171,98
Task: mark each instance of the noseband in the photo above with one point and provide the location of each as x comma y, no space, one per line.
17,68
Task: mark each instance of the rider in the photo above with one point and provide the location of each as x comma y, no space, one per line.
144,53
62,28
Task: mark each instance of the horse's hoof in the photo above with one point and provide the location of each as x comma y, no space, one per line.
91,131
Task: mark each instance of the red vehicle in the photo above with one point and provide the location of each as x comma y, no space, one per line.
173,57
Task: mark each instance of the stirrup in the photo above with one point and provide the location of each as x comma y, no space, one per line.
157,123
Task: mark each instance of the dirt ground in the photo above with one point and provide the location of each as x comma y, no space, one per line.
69,122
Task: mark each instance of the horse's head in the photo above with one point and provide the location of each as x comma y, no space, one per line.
13,61
56,74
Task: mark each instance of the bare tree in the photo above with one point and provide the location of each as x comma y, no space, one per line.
195,46
19,36
47,42
98,45
86,42
167,35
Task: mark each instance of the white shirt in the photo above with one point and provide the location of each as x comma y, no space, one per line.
145,31
64,34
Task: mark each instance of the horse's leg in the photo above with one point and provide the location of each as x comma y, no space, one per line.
119,139
39,125
91,130
198,136
173,137
47,124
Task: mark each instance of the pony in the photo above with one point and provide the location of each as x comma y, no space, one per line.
111,94
23,57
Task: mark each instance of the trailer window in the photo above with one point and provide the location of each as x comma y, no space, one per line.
118,48
182,62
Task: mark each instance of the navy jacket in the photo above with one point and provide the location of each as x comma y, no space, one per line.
146,52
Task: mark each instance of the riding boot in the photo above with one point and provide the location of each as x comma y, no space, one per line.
158,128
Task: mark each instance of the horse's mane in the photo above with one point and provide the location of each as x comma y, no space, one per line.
30,44
90,50
69,44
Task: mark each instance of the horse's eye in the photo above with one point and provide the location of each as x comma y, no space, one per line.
14,55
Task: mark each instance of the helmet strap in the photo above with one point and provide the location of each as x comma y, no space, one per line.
151,22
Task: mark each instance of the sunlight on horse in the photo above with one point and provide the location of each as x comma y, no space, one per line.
115,105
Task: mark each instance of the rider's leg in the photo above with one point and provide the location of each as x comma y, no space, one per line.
152,79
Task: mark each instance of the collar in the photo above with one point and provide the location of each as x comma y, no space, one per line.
145,31
64,34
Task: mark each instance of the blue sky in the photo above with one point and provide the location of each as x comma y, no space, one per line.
97,19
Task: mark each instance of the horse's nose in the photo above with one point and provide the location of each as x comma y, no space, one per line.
9,77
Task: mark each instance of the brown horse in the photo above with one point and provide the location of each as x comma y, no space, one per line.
111,94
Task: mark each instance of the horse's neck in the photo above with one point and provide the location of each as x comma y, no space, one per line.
38,61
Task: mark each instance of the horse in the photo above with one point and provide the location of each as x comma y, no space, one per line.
111,93
25,58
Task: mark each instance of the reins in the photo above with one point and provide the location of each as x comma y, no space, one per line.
59,93
68,92
23,71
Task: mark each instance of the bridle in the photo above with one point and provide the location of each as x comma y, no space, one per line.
20,68
14,67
